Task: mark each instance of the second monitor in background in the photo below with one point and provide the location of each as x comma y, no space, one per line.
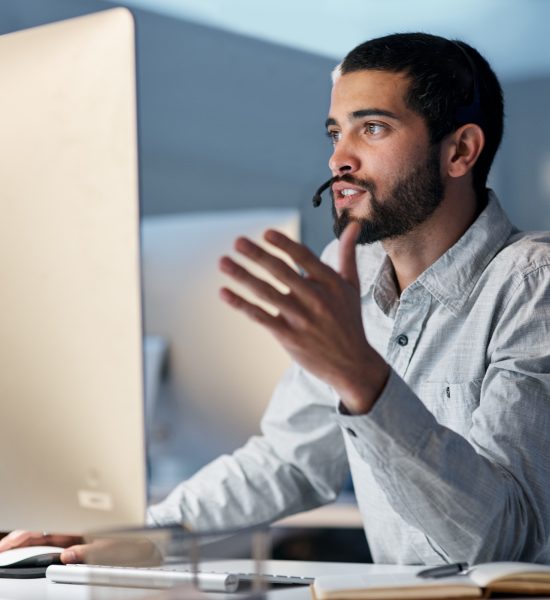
221,367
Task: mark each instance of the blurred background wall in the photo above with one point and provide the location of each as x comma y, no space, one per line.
233,95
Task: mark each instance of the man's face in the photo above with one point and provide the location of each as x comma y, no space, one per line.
389,175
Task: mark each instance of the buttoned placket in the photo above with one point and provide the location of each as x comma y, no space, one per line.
408,323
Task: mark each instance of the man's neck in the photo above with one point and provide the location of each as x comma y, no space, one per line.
414,252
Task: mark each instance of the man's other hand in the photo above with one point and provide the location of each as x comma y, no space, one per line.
73,544
136,551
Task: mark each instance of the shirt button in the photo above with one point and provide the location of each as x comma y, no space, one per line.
402,340
351,432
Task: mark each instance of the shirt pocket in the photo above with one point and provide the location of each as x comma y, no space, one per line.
452,404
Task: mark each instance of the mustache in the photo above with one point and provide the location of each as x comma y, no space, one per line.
366,184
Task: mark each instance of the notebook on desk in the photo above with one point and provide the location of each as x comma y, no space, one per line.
480,581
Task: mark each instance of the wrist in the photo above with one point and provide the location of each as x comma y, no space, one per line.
359,397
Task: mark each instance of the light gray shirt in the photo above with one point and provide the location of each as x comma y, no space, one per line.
452,463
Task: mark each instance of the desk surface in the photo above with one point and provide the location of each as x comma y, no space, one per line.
33,589
38,589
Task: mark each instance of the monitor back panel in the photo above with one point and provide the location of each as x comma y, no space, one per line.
71,415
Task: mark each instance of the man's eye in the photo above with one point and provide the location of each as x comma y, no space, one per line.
334,136
374,128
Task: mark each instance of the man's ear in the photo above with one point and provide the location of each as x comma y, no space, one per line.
461,150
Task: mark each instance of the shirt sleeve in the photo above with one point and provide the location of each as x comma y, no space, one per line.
299,462
486,496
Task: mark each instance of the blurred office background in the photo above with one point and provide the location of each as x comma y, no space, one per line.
233,93
232,99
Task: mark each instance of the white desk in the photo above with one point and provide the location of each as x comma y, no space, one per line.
38,589
41,589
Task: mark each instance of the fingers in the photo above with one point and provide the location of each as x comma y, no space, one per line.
274,265
348,262
20,537
12,540
62,540
262,289
301,255
305,293
311,264
251,310
299,286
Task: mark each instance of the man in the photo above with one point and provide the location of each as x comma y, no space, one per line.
421,356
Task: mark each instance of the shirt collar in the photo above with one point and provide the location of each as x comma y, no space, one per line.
451,278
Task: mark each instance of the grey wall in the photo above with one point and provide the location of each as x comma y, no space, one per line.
232,122
521,172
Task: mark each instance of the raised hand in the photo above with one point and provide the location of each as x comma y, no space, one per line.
319,318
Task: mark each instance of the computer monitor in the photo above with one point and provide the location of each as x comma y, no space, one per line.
72,454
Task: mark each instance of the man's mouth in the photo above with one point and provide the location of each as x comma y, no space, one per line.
345,194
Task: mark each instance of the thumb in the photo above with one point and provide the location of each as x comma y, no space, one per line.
74,554
347,260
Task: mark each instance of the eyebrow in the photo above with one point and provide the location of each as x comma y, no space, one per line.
365,112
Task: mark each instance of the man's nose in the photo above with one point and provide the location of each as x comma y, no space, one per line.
343,159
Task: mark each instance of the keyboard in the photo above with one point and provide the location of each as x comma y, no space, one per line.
162,577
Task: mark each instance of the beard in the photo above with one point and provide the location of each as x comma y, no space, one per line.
408,204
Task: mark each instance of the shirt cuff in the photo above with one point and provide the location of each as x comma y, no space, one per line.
398,423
